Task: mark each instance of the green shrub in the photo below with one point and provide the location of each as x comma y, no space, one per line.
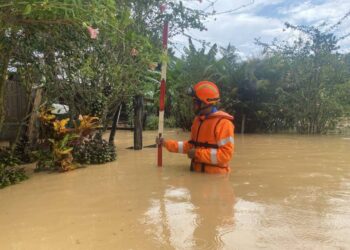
21,150
152,122
94,151
170,122
97,104
10,173
44,158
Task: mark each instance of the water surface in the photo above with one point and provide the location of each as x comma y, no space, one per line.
285,192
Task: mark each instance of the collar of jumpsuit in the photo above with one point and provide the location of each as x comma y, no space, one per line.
212,111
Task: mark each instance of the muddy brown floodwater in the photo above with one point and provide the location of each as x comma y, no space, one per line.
285,192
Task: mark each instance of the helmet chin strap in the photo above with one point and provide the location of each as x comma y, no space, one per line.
199,103
198,111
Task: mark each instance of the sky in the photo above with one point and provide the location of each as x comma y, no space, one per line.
264,19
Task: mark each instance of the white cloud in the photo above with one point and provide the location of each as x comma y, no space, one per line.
345,46
330,11
241,28
243,6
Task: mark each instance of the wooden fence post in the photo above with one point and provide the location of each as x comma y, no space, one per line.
138,109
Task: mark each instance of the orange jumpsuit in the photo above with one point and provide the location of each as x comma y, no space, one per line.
213,138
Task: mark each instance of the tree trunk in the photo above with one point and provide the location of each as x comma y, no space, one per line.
138,107
32,128
114,125
23,127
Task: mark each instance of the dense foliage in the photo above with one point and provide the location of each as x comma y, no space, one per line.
90,55
10,173
94,151
300,87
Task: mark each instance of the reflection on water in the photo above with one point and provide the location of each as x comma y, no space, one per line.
173,219
285,192
192,215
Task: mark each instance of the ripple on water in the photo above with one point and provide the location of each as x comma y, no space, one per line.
204,244
222,232
177,193
252,194
315,175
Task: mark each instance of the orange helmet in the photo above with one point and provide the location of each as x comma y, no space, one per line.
206,92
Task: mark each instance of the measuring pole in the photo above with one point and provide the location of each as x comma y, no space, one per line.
162,88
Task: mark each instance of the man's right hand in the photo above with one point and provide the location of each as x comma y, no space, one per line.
160,141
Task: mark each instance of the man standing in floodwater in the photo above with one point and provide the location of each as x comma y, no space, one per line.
212,133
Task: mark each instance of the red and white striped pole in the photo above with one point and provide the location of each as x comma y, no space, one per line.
162,88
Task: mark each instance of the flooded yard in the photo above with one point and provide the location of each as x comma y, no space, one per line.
285,192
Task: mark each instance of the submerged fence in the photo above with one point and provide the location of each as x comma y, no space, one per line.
16,101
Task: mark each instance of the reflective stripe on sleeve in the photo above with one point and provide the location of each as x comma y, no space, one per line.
213,157
226,140
181,146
